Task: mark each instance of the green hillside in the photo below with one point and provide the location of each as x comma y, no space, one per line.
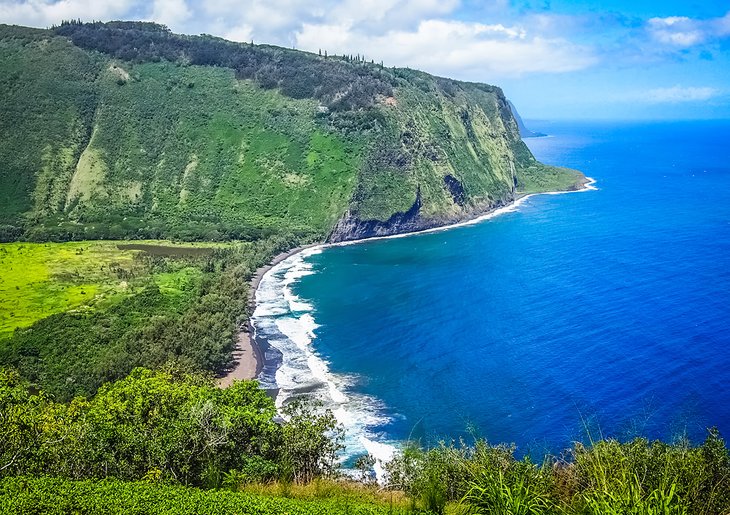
125,130
108,349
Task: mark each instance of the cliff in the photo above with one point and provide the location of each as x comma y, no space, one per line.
126,130
524,131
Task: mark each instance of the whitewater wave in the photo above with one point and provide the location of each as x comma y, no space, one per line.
285,326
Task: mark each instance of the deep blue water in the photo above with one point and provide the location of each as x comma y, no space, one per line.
605,310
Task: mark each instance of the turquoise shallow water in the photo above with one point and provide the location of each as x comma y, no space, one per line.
605,310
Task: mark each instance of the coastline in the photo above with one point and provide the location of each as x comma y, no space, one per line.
248,355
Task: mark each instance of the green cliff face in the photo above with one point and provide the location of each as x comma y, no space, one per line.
125,130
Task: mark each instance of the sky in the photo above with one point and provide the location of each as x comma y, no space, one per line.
555,59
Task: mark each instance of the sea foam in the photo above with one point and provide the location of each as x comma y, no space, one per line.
287,324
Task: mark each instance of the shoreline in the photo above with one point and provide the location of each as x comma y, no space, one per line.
248,355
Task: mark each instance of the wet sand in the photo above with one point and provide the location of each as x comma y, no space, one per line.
248,358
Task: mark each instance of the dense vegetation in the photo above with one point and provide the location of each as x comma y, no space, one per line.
165,428
182,309
30,495
39,280
125,130
606,477
166,425
341,83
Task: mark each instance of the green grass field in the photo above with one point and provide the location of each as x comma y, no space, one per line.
40,279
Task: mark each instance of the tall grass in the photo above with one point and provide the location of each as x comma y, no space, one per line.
605,477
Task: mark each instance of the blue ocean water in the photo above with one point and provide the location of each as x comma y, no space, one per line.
605,311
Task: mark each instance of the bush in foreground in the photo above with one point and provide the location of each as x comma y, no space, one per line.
161,425
608,477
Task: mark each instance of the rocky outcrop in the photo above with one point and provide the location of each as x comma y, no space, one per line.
456,189
351,227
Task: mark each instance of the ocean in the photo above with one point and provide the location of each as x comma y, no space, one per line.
568,317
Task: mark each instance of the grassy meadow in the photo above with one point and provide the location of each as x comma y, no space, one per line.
42,279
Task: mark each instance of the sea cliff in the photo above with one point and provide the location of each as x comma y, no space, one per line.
127,130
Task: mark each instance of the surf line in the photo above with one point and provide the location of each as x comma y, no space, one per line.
282,328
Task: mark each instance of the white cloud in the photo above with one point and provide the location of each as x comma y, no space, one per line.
384,15
678,94
173,13
43,13
241,33
679,31
277,21
721,26
683,32
471,51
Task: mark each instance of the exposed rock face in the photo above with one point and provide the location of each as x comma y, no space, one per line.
456,189
351,228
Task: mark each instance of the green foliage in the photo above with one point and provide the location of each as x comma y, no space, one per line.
254,469
645,478
538,178
156,158
39,280
55,496
183,309
515,488
609,477
165,425
179,425
171,426
338,83
310,442
47,104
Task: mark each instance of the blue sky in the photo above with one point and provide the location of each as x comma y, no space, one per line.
554,58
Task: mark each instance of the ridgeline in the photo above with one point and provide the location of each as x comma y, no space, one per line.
125,130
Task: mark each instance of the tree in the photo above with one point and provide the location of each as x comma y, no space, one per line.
311,440
165,424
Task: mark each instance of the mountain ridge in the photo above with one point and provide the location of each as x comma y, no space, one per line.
126,130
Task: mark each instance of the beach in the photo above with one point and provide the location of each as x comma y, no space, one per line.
248,356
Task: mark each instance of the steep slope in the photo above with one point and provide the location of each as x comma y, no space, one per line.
125,130
524,131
